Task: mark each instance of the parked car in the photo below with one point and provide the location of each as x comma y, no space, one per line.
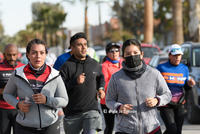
166,49
101,54
158,58
191,58
149,50
97,48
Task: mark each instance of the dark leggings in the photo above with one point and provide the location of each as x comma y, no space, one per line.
158,132
53,129
109,119
173,118
7,119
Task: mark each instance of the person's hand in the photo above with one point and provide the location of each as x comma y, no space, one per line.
81,78
39,98
191,82
151,102
124,109
23,106
100,94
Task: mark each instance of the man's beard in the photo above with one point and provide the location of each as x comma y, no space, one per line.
8,61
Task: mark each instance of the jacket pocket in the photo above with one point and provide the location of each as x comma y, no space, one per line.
54,110
21,115
151,121
127,123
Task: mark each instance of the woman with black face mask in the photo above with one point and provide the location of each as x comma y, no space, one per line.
135,91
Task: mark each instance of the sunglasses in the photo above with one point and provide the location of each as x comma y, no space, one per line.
113,50
176,49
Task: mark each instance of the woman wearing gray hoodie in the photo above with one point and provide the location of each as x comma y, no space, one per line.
40,90
135,92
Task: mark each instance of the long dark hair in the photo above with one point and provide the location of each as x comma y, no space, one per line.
104,59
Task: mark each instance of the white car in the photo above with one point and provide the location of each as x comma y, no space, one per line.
101,54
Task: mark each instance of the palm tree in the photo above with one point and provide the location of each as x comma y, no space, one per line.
177,28
148,21
86,25
55,21
48,18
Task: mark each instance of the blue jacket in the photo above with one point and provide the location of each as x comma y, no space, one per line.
176,78
61,60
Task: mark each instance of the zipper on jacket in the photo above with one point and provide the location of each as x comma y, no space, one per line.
138,109
51,80
39,117
24,116
84,68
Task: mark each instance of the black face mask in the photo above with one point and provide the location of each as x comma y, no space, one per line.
133,61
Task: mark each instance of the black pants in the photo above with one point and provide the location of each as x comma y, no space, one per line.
109,119
7,119
173,118
158,132
53,129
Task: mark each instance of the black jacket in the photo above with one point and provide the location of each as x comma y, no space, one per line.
82,97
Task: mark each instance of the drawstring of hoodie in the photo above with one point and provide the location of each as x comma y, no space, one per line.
84,67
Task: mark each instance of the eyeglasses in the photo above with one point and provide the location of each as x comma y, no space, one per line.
113,50
176,49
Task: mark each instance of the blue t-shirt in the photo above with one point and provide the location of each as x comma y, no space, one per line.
61,60
176,77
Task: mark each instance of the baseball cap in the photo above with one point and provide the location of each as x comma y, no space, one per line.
175,49
109,45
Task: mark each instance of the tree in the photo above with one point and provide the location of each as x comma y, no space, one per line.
57,18
148,21
23,37
86,4
186,19
1,30
47,17
86,25
130,13
2,37
164,14
177,22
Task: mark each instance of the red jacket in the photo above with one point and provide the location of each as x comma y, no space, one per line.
108,70
5,73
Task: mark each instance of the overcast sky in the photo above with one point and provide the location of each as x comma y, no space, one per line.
16,14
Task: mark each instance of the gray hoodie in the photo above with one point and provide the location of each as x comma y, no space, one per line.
124,90
39,115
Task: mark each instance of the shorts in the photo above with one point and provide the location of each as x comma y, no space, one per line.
88,120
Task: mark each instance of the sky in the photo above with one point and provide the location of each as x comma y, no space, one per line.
16,14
